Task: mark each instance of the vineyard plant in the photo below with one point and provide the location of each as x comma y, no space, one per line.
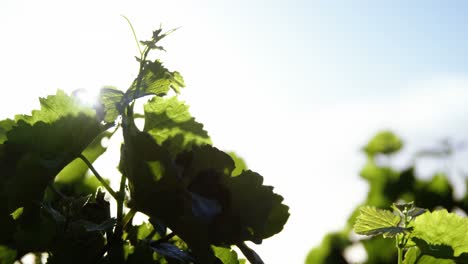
200,201
401,232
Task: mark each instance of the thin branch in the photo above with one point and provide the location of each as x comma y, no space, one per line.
101,180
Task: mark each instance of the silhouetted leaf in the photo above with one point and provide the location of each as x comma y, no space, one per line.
104,226
171,251
54,214
160,228
250,254
38,152
162,196
249,220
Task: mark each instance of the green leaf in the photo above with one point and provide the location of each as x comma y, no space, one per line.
207,172
155,79
385,142
157,36
239,164
170,123
141,232
246,220
415,212
76,170
17,213
37,148
226,255
414,256
7,255
162,197
204,158
380,250
373,221
38,152
110,104
55,107
441,234
5,126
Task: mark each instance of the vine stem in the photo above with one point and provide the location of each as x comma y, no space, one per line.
128,217
400,252
134,34
98,176
120,202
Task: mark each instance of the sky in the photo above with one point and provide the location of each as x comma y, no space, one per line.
294,87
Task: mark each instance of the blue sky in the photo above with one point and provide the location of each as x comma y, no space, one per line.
295,87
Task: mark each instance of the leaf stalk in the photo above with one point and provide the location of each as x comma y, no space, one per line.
98,176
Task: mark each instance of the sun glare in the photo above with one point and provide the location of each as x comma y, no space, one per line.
87,97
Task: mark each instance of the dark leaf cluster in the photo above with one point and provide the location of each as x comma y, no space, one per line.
198,199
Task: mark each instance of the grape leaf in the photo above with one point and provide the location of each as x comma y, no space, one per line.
76,170
204,158
80,237
5,126
55,107
441,234
380,250
207,171
373,221
38,152
169,120
414,256
110,104
155,79
162,196
239,164
226,255
157,36
36,149
246,220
